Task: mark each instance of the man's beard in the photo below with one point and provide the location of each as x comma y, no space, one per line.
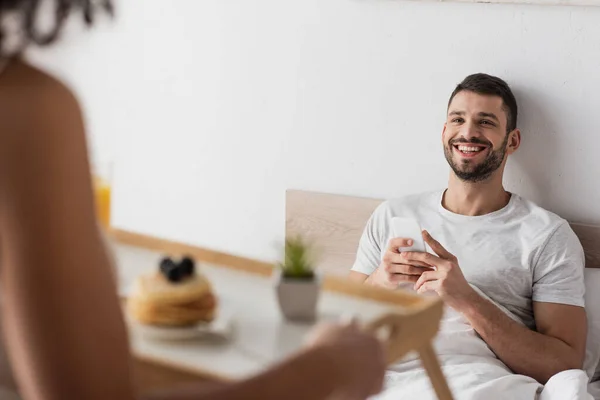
482,171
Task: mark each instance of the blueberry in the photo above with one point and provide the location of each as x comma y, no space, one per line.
187,266
166,264
175,274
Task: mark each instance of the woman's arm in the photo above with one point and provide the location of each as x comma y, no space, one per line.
304,376
61,314
340,361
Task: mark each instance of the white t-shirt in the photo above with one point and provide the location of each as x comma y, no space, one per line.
516,255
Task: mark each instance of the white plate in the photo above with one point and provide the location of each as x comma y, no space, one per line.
219,329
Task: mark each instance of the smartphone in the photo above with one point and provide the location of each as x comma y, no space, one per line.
408,228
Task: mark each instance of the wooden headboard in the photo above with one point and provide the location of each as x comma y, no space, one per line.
335,223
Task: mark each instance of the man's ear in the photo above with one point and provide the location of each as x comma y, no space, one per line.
514,141
443,130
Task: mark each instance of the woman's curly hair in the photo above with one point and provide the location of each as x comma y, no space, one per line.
24,18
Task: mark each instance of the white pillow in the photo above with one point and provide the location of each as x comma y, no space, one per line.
592,309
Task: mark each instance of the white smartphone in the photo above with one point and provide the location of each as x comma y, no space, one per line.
408,228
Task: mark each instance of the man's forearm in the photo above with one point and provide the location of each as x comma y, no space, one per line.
524,351
308,375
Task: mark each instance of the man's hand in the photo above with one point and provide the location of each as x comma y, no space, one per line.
395,268
445,277
558,344
358,356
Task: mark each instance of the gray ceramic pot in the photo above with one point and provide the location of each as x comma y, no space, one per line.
297,298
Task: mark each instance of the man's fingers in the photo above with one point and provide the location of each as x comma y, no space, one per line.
426,277
399,278
396,243
429,286
398,258
392,258
437,247
416,263
407,269
411,257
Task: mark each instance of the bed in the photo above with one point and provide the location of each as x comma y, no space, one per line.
335,223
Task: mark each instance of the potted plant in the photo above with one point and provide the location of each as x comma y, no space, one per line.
297,284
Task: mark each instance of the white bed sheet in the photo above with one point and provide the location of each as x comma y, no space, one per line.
474,372
594,390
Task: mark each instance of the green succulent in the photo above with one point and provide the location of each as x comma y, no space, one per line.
297,259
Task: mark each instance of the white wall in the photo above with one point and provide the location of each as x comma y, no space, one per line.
212,109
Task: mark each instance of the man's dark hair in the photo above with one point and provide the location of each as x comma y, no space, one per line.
491,86
24,14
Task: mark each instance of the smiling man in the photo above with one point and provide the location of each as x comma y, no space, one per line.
513,270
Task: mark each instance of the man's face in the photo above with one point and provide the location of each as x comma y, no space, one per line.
474,137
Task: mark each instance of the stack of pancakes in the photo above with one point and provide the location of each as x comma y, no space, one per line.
157,301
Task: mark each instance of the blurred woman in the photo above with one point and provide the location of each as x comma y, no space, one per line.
62,325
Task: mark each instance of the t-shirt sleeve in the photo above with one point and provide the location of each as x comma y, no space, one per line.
368,255
558,272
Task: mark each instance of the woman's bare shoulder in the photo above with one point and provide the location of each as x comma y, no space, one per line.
34,102
41,127
31,94
19,74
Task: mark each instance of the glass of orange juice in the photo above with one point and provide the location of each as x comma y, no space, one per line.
102,194
102,198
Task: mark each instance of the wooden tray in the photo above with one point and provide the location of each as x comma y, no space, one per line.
260,337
